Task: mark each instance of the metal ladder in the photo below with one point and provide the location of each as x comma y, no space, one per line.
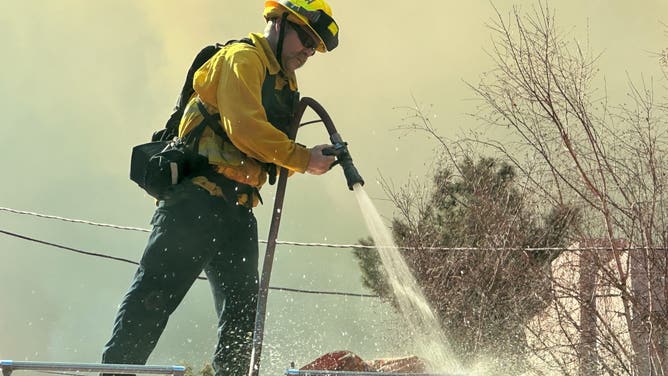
9,366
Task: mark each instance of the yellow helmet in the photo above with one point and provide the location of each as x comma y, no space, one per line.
316,14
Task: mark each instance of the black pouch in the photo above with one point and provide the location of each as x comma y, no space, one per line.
158,166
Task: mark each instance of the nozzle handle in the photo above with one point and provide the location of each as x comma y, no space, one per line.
340,148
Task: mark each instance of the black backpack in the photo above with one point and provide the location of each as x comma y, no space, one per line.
162,163
171,129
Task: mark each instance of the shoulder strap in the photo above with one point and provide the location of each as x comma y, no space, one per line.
206,53
171,127
202,57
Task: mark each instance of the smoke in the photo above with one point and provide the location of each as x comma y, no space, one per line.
81,82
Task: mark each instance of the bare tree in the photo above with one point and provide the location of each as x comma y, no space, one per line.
603,309
577,149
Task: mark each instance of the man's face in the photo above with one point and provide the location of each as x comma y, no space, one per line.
299,44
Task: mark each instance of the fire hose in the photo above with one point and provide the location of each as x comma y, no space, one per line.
339,149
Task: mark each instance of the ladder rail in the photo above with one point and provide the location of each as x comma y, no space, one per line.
9,366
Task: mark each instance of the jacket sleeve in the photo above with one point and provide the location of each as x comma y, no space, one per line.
239,100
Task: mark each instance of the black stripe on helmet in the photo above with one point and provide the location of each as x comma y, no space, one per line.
324,25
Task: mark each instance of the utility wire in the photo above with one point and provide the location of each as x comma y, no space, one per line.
346,246
100,255
328,292
139,229
39,215
68,248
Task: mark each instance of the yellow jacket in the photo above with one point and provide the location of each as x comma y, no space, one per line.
230,84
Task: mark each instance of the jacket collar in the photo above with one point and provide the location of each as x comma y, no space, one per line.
270,59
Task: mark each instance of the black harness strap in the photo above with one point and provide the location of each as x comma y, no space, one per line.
281,35
212,122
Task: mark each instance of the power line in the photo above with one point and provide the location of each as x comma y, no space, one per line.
100,255
81,221
139,229
328,293
68,248
347,246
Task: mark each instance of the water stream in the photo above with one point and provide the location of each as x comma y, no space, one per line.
430,342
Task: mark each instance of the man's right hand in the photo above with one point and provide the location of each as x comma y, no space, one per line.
319,163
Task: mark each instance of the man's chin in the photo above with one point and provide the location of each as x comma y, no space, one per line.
293,65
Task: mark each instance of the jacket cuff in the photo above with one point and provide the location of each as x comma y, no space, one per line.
300,159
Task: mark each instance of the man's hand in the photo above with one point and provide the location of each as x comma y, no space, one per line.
319,163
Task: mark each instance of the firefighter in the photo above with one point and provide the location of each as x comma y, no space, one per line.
207,223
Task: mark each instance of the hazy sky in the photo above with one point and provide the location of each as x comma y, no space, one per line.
83,81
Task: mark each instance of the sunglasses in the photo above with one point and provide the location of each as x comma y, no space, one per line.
304,37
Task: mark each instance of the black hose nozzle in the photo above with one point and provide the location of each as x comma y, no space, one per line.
340,151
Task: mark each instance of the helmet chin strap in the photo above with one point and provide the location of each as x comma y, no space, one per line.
281,35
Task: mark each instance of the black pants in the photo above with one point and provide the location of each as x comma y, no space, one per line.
191,233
